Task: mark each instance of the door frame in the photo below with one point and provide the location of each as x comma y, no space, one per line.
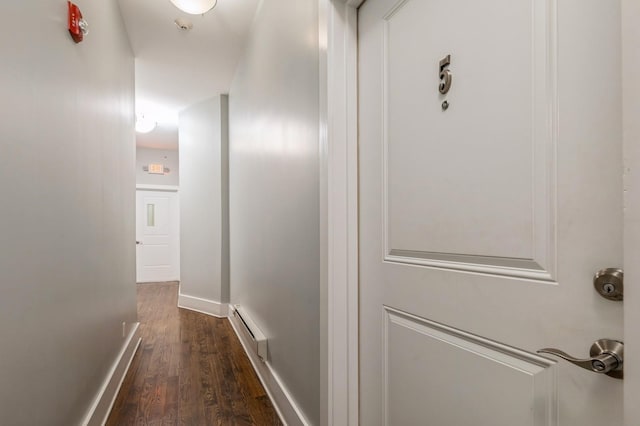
339,203
631,148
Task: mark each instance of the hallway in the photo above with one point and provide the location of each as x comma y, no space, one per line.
408,212
189,369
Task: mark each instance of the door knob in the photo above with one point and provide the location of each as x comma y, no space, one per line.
138,243
606,357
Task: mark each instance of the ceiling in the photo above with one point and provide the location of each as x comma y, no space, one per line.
176,68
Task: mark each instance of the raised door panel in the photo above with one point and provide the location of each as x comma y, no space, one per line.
471,186
476,382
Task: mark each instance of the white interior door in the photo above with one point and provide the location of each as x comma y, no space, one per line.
157,236
483,223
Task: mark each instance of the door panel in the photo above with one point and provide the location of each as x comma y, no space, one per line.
455,392
499,86
481,225
157,236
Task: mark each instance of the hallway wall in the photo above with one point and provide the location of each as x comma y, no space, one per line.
168,158
204,251
67,252
274,192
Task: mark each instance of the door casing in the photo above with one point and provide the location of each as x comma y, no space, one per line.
631,149
339,202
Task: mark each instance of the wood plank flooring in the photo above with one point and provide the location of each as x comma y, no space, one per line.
190,369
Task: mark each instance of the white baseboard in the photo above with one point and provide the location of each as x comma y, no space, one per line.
103,402
204,306
287,408
164,280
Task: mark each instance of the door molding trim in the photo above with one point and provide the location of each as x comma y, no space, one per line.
631,134
339,168
167,188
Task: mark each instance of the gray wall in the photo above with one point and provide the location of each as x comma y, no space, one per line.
274,192
169,158
67,252
203,146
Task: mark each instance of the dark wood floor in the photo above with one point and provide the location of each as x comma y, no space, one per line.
190,369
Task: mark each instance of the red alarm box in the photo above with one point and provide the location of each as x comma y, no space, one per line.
77,25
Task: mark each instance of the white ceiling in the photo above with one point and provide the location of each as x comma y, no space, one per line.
174,68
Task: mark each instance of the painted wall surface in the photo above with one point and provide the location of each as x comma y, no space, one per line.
67,251
274,192
203,145
146,156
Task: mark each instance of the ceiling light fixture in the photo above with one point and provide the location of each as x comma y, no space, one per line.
195,7
144,124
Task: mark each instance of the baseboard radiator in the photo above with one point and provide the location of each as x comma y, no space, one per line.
258,341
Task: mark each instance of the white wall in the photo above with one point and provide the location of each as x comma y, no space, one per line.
67,242
203,148
169,158
274,192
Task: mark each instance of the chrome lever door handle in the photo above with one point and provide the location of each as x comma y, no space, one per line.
607,357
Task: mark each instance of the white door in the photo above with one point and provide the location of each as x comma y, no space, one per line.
483,220
157,236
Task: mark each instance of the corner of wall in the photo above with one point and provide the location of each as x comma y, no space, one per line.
224,171
204,306
204,246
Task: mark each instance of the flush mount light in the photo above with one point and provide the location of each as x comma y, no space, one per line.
144,124
195,7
